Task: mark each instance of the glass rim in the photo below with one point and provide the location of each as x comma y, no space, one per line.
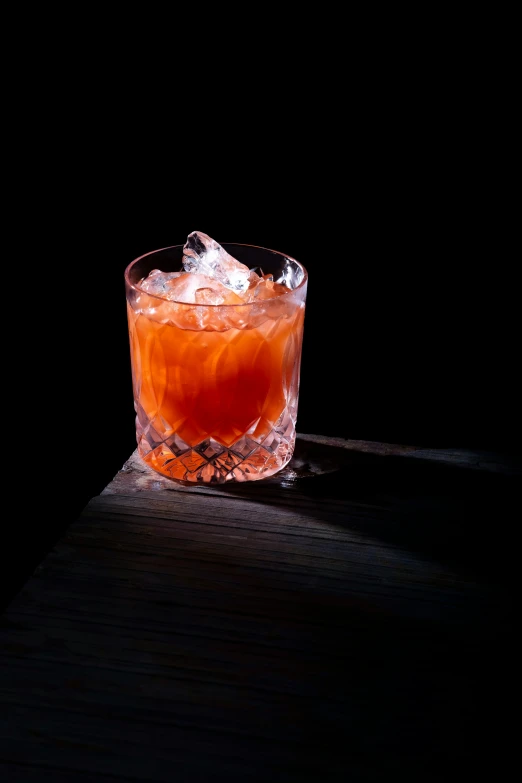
136,287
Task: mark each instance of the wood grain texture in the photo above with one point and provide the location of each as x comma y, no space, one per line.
336,622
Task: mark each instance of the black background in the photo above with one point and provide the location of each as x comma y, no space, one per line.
411,323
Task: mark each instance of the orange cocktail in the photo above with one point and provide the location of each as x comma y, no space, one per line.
216,367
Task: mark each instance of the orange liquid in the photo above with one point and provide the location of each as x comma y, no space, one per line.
201,384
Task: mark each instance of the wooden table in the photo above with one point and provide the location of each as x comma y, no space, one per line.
341,621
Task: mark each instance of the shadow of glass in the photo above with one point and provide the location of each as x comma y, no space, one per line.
450,511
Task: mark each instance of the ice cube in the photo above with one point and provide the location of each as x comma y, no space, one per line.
185,286
291,276
203,255
158,282
267,289
199,289
208,296
215,293
263,287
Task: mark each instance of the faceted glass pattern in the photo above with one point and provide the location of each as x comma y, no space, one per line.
216,387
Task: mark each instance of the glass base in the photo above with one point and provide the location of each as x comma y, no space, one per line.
210,462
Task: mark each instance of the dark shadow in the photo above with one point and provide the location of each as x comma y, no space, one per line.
464,517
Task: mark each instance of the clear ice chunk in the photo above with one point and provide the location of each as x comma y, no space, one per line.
203,255
291,276
210,276
200,289
158,283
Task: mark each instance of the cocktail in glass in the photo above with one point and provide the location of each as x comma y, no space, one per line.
216,385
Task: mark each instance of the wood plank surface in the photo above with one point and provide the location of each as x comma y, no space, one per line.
340,621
